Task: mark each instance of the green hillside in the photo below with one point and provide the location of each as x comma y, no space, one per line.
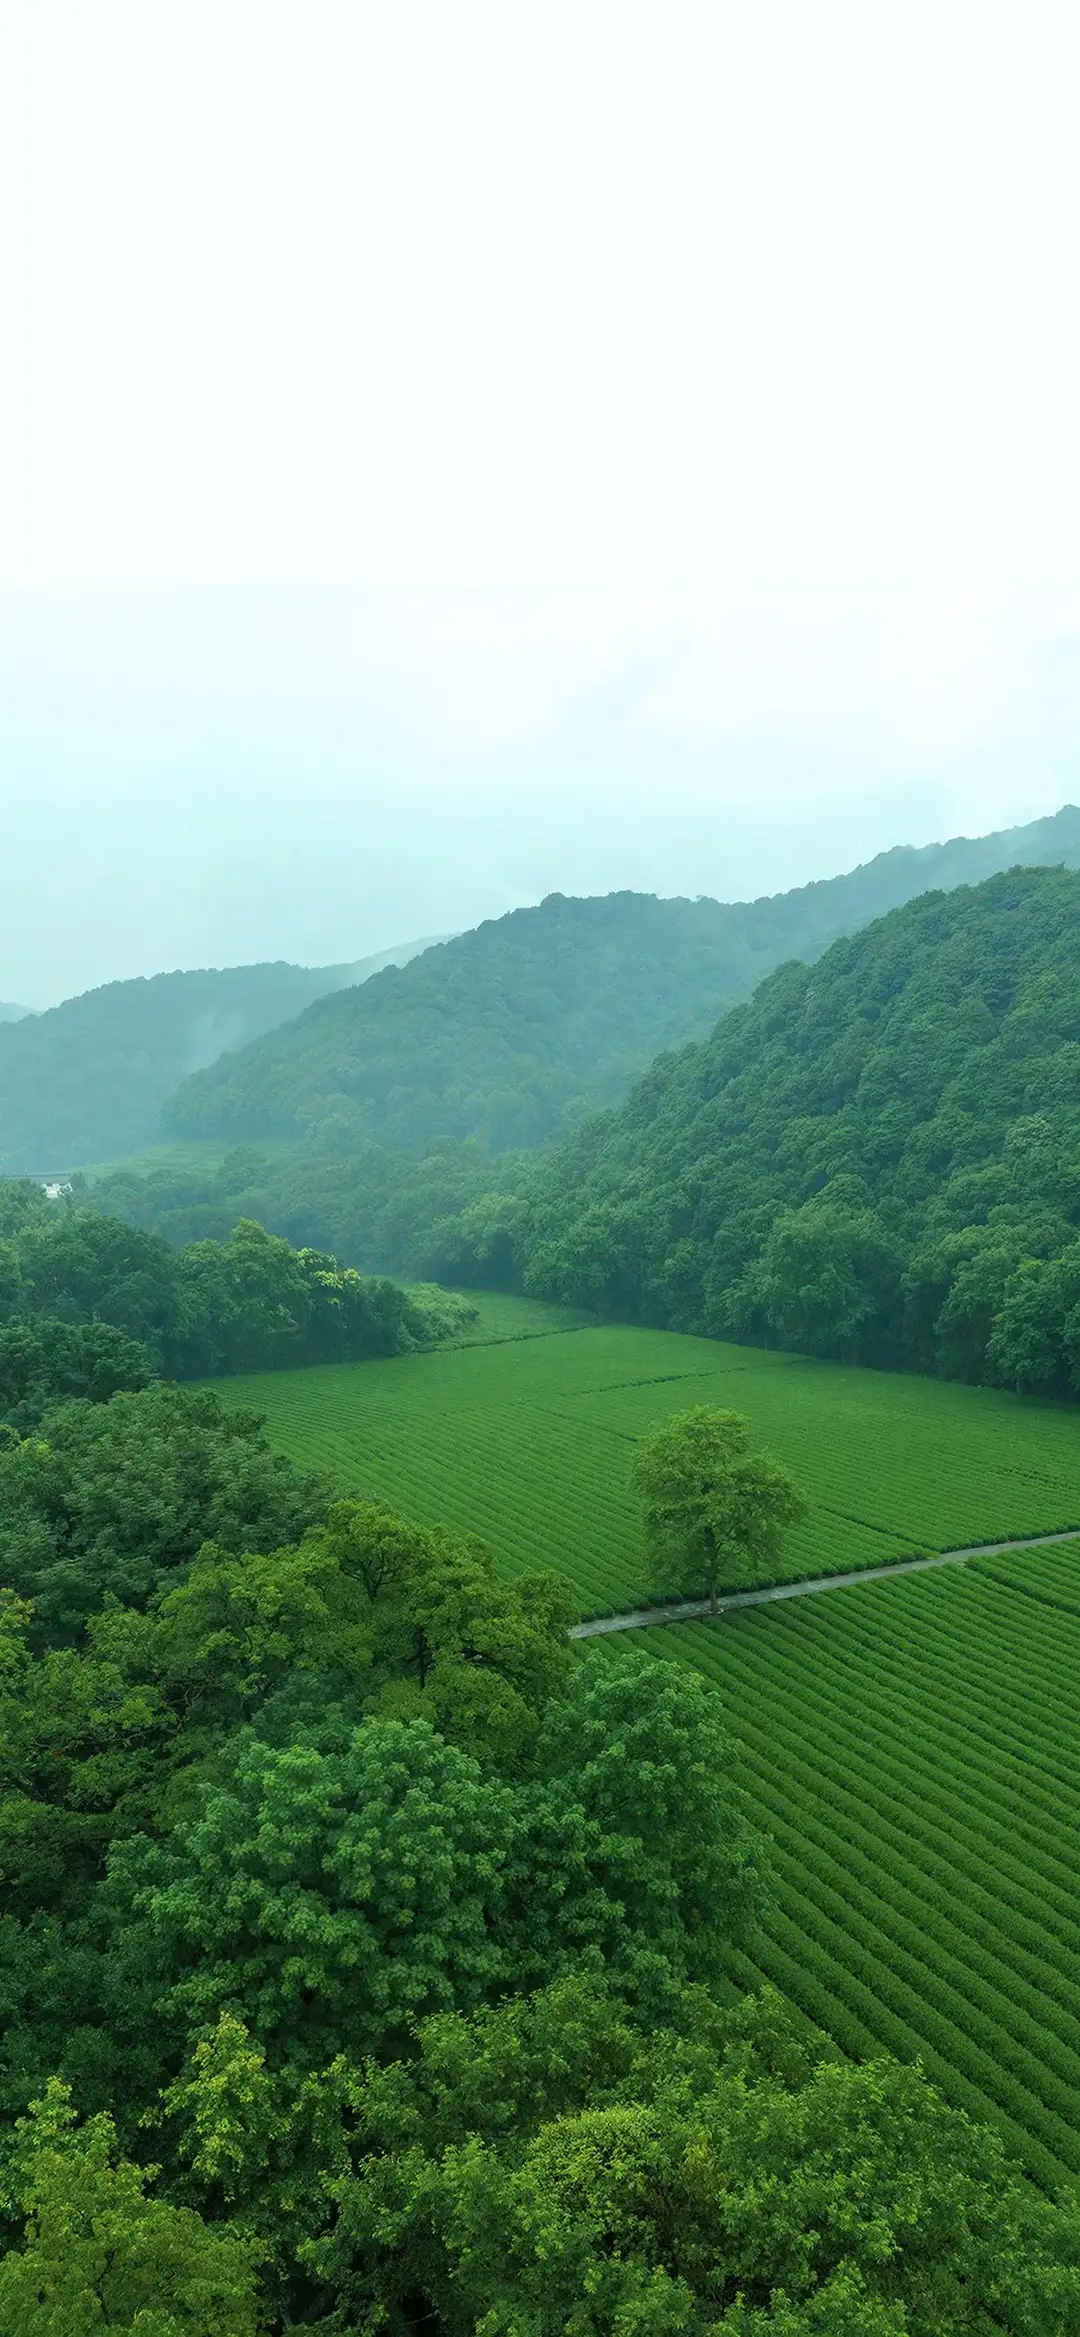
509,1033
878,1157
86,1080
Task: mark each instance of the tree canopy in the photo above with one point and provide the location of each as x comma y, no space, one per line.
724,2184
100,2255
715,1513
90,1305
425,1216
106,1499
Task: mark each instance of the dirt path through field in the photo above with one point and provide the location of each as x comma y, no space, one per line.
691,1610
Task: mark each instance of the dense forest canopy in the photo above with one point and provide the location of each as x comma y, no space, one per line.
86,1080
90,1306
383,1211
877,1158
509,1034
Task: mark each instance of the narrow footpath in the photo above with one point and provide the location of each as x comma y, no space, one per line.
692,1610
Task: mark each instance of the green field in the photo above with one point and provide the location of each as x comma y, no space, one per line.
527,1440
501,1316
914,1749
201,1155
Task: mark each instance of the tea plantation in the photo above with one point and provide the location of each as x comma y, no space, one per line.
526,1440
914,1749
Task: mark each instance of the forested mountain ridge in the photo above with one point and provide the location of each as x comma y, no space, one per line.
501,1033
86,1080
510,1033
877,1157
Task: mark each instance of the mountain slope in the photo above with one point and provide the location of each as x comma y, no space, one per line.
877,1157
509,1033
87,1079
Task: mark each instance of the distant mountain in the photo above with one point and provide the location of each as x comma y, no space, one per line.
509,1033
86,1080
10,1013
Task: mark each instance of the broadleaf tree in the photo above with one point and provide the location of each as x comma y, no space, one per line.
715,1513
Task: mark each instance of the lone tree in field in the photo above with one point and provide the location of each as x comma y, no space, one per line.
712,1508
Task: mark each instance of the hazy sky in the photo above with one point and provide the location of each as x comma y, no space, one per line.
453,452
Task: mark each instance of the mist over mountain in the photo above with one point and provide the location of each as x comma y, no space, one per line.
507,1034
87,1079
511,1032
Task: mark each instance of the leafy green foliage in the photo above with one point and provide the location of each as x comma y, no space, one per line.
414,1616
710,1503
22,1204
43,1363
824,1280
520,2172
89,1306
78,1267
544,2162
252,1301
238,1856
448,1642
503,1034
353,1879
330,1892
509,1033
112,1498
666,1831
367,1615
99,2255
88,1745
